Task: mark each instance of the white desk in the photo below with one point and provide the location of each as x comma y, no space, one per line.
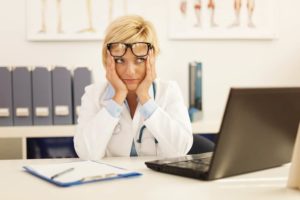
270,184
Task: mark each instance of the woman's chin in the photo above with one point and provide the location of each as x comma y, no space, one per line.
131,87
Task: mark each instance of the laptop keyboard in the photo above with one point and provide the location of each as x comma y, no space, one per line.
203,161
201,164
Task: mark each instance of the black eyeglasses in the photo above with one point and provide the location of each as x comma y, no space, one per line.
118,49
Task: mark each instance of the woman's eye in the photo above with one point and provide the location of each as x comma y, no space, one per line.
119,60
140,60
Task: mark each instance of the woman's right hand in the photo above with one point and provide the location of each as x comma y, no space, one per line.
112,76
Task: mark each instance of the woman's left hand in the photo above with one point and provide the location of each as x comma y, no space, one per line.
143,89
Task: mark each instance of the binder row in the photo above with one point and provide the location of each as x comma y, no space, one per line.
41,96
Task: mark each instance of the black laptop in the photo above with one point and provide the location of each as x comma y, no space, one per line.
258,132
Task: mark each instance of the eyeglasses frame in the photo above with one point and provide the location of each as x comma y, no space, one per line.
129,45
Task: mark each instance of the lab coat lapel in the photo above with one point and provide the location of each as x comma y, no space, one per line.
136,121
107,94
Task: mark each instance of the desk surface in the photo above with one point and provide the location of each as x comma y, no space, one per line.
263,185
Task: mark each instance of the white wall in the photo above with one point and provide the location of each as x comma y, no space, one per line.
226,62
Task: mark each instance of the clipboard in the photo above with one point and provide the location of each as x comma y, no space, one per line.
77,173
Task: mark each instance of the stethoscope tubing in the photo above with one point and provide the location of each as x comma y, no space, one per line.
139,140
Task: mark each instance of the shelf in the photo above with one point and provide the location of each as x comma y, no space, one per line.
37,131
25,132
69,130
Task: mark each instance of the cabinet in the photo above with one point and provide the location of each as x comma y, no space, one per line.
18,135
23,132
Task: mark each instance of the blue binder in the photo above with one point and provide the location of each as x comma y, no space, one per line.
22,96
195,91
198,86
81,78
51,147
77,173
6,106
62,96
42,96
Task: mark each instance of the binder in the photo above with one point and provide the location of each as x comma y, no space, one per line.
51,147
22,96
198,86
42,96
62,96
77,173
192,84
6,106
81,78
195,91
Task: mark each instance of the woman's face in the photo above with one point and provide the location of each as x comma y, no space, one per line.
131,69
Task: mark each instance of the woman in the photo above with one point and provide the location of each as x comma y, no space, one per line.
132,113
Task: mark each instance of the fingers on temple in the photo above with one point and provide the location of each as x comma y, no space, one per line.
152,61
149,65
109,65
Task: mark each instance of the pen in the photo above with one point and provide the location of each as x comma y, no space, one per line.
62,172
98,177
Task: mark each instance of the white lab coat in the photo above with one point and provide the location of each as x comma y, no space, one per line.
99,134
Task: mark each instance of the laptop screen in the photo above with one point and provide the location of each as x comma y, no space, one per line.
258,130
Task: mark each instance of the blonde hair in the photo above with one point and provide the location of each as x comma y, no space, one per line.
129,29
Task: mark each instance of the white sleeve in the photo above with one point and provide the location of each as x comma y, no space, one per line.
171,126
94,129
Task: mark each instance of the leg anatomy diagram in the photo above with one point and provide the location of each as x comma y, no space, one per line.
206,10
237,10
59,8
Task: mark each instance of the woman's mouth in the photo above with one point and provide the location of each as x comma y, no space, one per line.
131,81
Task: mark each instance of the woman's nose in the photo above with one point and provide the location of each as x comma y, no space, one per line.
130,68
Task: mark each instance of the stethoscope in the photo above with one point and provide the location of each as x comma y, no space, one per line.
139,140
